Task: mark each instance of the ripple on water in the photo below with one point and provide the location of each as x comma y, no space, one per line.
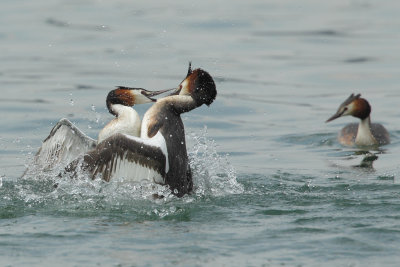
313,140
277,212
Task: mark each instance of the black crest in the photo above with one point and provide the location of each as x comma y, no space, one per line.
350,99
189,69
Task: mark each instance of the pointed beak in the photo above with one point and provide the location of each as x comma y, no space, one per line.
149,94
176,91
131,96
335,116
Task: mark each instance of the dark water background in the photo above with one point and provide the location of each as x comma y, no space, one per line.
273,186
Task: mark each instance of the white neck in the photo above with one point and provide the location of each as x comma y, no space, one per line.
127,122
364,135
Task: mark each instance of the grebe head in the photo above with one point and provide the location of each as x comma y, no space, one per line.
354,106
199,85
128,96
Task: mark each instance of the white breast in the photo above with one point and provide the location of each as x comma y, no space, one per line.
145,126
364,136
127,122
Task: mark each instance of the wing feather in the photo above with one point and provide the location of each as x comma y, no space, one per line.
128,157
64,144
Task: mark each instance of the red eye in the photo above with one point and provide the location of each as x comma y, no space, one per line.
180,86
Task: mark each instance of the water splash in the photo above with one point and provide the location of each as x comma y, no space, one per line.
212,173
97,115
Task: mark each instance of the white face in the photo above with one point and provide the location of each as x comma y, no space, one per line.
139,97
343,111
185,88
348,110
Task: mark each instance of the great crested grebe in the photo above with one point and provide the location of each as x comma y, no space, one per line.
66,142
160,154
365,133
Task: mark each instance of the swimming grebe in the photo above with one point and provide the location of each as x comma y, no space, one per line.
160,154
66,142
365,133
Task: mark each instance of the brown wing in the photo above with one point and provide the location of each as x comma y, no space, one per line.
126,157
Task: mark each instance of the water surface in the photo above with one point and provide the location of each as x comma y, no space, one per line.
272,185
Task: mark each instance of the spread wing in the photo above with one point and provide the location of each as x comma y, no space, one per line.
128,157
64,144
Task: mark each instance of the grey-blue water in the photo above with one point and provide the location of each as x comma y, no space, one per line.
272,185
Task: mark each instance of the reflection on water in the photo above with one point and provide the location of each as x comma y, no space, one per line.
367,160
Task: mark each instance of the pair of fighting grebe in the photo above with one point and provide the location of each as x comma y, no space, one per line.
155,149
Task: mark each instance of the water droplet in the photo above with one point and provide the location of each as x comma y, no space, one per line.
166,118
170,135
71,102
93,107
98,117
